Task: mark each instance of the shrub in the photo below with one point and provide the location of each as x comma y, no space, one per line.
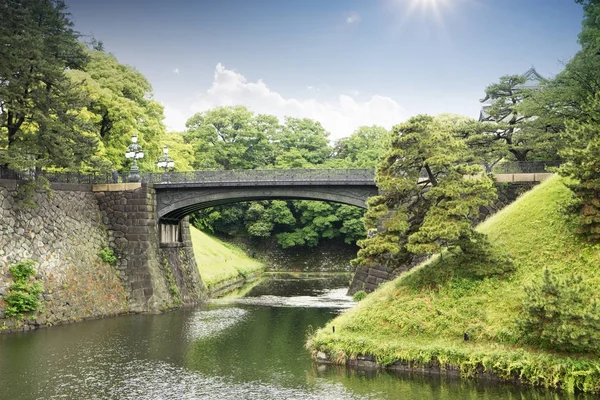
358,296
108,255
22,295
561,313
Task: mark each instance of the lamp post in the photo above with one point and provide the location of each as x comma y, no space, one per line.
134,151
166,161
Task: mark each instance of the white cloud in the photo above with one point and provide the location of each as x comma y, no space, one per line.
340,116
353,18
176,70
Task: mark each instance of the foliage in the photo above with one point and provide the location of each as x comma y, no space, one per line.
43,120
421,316
107,255
362,149
578,91
510,125
358,296
22,295
228,138
430,194
561,313
120,104
26,192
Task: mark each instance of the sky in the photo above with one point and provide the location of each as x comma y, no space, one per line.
344,63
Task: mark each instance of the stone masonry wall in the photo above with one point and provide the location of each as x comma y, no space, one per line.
369,277
63,235
179,264
156,278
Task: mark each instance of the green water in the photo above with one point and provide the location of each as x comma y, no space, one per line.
244,348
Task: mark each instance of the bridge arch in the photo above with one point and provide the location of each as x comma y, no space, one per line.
175,203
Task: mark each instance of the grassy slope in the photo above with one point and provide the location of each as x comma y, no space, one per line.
422,315
220,262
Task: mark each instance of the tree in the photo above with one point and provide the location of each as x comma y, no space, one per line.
362,149
302,140
578,87
122,104
43,121
430,194
561,313
510,125
182,153
230,138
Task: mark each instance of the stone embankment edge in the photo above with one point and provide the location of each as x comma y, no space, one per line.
229,285
434,367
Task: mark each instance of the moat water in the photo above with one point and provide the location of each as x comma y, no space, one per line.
248,347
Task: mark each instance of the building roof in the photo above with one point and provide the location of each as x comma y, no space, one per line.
532,81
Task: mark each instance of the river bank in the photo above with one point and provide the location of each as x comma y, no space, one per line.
223,267
327,256
419,321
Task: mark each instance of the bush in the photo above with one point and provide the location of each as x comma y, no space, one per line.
358,296
561,313
108,255
22,295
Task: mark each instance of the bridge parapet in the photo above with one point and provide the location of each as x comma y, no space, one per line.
265,177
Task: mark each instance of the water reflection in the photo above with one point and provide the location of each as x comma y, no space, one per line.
248,348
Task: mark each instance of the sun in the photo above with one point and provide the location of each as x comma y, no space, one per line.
434,8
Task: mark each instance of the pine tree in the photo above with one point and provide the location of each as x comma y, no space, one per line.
430,194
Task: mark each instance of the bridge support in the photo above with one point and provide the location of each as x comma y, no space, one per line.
156,275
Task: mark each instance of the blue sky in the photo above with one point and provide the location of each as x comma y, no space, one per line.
344,63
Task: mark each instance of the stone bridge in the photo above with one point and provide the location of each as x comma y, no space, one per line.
180,194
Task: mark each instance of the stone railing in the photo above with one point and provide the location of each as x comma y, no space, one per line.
277,177
263,177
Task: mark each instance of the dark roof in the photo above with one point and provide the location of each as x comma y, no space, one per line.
532,81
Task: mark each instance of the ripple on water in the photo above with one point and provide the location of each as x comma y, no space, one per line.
163,381
205,323
335,298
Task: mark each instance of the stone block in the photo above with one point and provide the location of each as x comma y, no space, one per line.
100,188
523,177
504,178
379,273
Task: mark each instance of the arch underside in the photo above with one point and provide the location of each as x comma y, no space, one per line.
174,204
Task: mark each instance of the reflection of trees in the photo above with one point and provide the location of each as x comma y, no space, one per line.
416,385
266,346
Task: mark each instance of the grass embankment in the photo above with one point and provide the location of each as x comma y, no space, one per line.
221,264
420,318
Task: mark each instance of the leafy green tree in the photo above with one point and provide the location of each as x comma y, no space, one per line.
301,141
42,117
122,104
362,149
230,138
428,200
182,152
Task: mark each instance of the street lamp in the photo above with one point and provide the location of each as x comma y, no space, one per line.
134,151
166,161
